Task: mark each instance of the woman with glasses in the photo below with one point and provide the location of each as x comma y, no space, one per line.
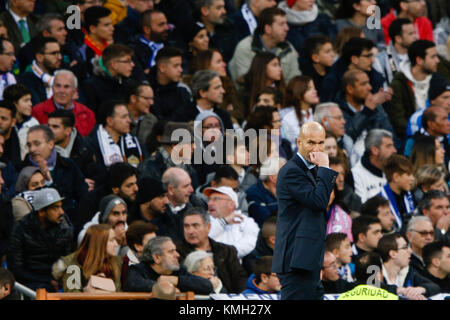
201,263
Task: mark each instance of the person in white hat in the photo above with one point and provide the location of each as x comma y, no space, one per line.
228,225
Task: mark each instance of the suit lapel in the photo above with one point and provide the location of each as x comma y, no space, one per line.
13,29
302,165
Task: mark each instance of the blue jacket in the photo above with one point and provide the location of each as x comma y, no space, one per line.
252,288
302,205
261,203
331,84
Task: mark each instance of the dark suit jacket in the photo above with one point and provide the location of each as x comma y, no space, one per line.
302,205
13,30
35,85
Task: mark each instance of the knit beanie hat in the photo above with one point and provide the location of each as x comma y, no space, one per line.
438,85
107,204
149,189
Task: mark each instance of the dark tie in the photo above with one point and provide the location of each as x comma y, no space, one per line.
314,171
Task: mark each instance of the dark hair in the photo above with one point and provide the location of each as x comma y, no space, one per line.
263,265
344,35
15,92
107,109
260,118
362,264
397,163
134,89
146,17
6,104
152,143
418,49
114,51
361,224
66,116
295,93
396,27
267,17
6,277
40,44
354,47
314,43
423,151
349,78
136,232
387,243
278,96
433,250
197,211
333,240
118,173
92,16
429,115
346,9
167,53
427,199
370,207
227,172
202,60
396,5
269,227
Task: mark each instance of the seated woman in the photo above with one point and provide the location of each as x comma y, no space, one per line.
428,177
96,256
428,150
201,263
30,179
301,96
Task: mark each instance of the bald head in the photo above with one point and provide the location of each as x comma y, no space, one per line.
311,140
178,184
311,128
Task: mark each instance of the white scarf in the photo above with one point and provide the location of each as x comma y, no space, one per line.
65,152
249,17
46,78
299,17
110,150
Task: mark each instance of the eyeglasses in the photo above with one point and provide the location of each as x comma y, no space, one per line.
424,233
337,117
403,248
9,54
147,98
218,198
54,53
369,55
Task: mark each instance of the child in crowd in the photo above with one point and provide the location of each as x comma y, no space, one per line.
339,245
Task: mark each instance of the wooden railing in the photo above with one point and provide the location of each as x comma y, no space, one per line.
42,294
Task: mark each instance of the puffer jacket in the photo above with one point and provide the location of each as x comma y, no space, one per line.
33,250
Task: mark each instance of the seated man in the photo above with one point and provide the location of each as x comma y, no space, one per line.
419,233
197,225
6,64
435,205
160,261
263,280
378,207
399,174
39,77
366,233
59,172
262,197
332,282
65,87
46,229
112,142
339,245
436,256
228,225
395,254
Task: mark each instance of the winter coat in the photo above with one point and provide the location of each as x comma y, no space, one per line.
229,269
33,250
262,204
261,249
141,278
252,287
84,116
35,85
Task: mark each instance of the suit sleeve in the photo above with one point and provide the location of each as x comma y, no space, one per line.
302,190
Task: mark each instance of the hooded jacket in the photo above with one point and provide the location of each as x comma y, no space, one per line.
304,24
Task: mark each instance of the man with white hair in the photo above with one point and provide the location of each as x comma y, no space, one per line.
330,116
262,197
419,233
228,225
65,91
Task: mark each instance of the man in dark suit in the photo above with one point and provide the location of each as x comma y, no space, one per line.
303,190
20,22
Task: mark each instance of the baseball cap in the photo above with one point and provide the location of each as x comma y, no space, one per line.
224,190
45,197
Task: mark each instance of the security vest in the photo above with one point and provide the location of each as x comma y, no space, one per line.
366,292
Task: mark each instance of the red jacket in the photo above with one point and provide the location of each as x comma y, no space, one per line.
84,117
423,26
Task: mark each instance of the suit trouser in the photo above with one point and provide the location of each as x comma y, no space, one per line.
301,285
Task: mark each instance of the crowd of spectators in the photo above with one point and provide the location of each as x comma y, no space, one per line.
116,171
